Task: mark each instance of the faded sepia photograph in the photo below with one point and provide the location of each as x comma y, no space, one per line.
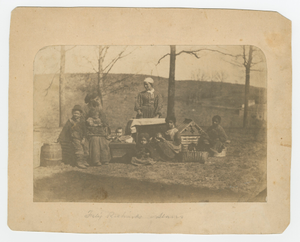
150,124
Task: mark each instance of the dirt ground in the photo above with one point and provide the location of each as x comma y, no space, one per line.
240,176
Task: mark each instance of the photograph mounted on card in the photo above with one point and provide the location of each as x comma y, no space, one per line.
143,121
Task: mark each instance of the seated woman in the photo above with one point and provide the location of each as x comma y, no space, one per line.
168,144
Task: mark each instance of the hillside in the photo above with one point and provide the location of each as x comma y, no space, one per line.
121,90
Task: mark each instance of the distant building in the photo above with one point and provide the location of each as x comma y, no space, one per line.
259,111
250,103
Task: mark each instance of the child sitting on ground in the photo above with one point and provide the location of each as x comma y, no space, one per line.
143,152
215,137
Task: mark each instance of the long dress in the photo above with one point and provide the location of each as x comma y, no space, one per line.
98,144
150,104
104,121
143,156
169,148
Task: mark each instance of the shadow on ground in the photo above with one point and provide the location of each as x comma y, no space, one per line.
77,186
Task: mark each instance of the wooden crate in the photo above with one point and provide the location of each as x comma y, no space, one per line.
118,149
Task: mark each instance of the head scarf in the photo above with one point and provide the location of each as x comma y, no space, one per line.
148,80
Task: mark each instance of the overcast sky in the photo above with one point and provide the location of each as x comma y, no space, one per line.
143,60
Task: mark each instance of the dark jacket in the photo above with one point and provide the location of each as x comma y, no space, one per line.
72,130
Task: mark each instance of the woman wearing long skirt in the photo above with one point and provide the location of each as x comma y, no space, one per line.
148,103
97,135
168,144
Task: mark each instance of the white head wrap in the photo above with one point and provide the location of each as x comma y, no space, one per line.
148,80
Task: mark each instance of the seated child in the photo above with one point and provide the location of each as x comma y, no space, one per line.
215,137
72,138
120,137
143,153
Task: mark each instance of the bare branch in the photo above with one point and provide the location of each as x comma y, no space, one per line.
195,53
255,63
234,63
115,59
90,63
71,48
244,56
48,88
120,56
162,58
118,81
105,51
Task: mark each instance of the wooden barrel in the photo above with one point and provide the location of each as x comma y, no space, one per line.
51,154
195,156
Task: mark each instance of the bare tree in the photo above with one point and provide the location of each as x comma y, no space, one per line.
102,72
61,82
244,59
171,89
247,59
220,76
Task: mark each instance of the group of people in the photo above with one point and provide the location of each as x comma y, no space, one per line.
86,135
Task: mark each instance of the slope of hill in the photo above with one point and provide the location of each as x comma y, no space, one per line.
120,91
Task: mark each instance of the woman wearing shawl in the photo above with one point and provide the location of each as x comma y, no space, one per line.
148,103
96,142
168,144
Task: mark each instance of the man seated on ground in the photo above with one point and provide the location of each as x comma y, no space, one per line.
215,138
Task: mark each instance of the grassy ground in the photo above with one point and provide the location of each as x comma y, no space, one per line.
240,176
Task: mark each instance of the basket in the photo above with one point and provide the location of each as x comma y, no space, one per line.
221,154
195,156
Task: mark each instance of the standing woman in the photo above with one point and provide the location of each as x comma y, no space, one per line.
92,101
148,103
93,141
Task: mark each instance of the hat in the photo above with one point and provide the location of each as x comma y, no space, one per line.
148,80
90,96
77,108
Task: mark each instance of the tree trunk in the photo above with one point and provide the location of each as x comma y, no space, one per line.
247,87
100,76
61,85
171,90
